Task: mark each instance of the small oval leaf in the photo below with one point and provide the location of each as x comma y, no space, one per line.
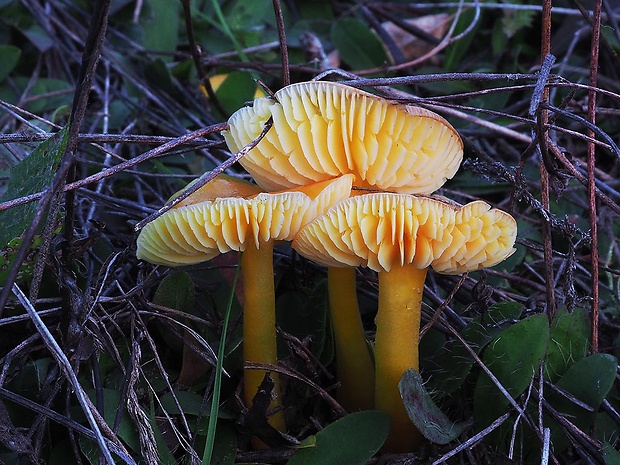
9,56
453,362
235,90
176,291
591,378
31,175
568,343
357,44
425,415
352,440
513,357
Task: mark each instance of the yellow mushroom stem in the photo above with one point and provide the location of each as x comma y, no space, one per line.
353,360
259,325
396,348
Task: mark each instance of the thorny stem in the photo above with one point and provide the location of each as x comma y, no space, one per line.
396,348
353,360
544,174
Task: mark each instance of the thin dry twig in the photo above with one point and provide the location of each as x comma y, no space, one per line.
475,439
286,68
65,365
205,178
594,257
154,153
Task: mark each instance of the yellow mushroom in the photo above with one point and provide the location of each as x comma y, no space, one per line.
400,236
227,214
322,130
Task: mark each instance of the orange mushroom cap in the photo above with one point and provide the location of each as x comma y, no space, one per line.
383,230
201,226
325,129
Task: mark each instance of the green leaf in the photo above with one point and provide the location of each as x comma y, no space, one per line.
513,357
237,89
458,50
46,94
39,37
161,28
589,380
225,447
304,315
127,430
9,56
165,455
352,440
190,403
515,20
358,46
453,362
33,174
432,422
217,382
611,455
158,74
249,21
568,343
8,252
176,291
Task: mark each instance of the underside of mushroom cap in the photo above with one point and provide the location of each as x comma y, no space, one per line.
482,237
382,230
194,233
379,231
324,129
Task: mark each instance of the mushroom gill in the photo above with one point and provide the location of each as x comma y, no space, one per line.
324,129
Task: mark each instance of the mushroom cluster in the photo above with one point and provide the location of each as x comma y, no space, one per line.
326,140
324,129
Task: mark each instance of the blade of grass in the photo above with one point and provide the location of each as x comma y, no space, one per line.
228,31
215,400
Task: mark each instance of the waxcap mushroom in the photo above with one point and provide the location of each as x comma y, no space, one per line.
201,227
383,230
324,129
400,236
204,224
